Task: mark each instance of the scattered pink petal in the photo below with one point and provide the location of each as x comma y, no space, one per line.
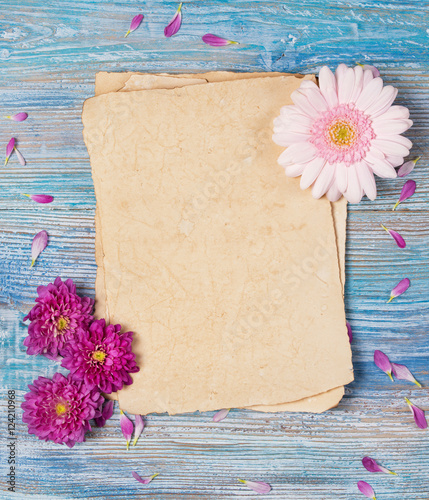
408,190
375,72
9,149
126,427
396,236
40,242
106,412
144,480
257,486
383,362
349,332
139,428
399,289
366,489
135,23
418,414
372,466
217,41
21,159
19,117
220,415
40,198
407,167
174,25
401,372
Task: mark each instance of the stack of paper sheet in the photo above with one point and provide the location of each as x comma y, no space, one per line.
229,274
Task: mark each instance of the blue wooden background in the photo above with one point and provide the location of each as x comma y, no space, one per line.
49,54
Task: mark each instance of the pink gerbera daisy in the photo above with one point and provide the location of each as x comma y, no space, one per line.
60,409
340,134
55,318
101,356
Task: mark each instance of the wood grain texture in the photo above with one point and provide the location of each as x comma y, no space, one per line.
49,54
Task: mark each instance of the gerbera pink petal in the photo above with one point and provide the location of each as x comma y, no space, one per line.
323,181
381,167
366,489
408,167
221,415
174,25
257,486
21,159
295,170
367,181
138,429
311,171
401,372
391,146
384,101
375,72
297,154
418,414
395,161
303,104
370,94
345,88
333,193
358,85
367,77
328,86
353,193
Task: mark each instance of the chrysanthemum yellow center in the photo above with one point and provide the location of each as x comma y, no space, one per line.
62,323
342,134
99,356
61,408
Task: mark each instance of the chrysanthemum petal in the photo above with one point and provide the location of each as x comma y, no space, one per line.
323,181
18,117
399,240
257,486
40,198
174,25
139,426
21,159
408,189
9,149
106,413
217,41
40,242
382,361
135,23
144,480
311,171
370,94
349,332
399,289
418,414
126,427
372,466
221,415
366,489
401,372
407,167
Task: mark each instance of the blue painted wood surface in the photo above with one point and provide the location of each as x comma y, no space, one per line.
49,54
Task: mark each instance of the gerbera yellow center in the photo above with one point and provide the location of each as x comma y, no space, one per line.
342,133
62,323
98,356
61,408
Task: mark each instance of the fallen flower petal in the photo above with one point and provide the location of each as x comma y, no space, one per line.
366,489
217,41
139,428
408,190
372,466
135,23
19,117
106,413
40,242
174,25
401,372
399,289
257,486
21,159
418,414
126,427
9,149
40,198
349,332
375,72
220,415
407,167
396,236
383,362
144,480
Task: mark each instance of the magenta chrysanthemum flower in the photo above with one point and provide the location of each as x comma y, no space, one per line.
60,409
55,318
340,134
101,356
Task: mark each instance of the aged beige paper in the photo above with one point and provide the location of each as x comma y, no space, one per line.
139,81
113,155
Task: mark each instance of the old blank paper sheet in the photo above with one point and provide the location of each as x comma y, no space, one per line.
194,254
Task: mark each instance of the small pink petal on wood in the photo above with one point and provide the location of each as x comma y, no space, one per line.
9,149
217,41
40,198
135,23
106,413
18,117
399,289
375,72
40,242
144,480
408,190
366,489
418,414
257,486
126,427
372,466
174,25
396,236
383,362
21,159
220,415
407,167
401,372
349,332
138,429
